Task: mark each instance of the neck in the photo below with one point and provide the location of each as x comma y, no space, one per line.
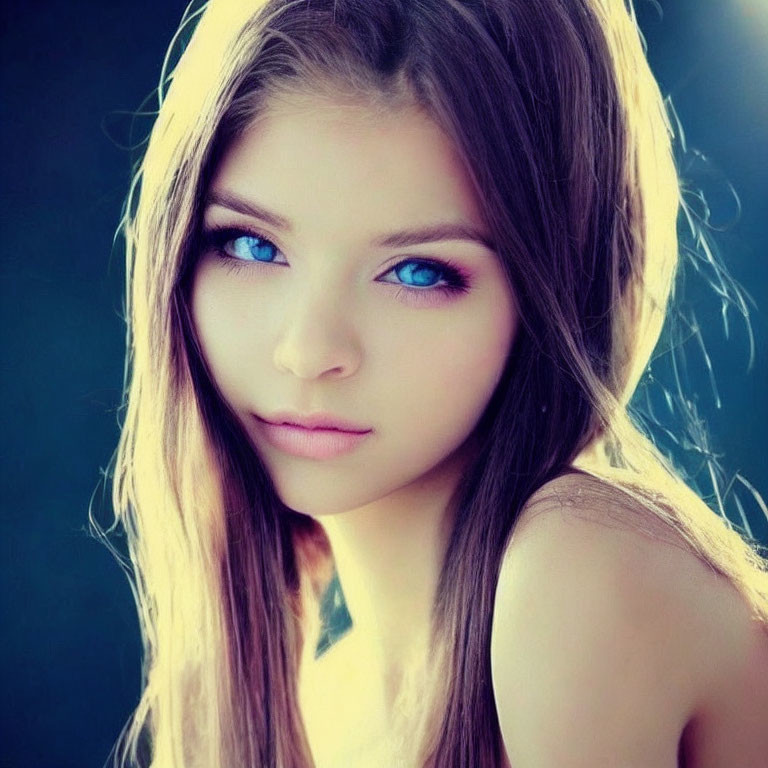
388,555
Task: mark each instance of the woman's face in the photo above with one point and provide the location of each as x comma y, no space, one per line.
316,313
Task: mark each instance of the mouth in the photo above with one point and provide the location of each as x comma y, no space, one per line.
314,422
312,429
311,442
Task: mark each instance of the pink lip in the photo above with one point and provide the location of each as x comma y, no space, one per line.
311,443
314,421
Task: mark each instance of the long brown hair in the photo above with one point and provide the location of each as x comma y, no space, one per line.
564,134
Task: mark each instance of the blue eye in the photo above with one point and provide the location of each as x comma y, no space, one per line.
418,278
249,247
238,246
422,273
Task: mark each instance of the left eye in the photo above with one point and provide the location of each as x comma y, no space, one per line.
418,273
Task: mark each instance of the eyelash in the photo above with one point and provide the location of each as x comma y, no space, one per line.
457,281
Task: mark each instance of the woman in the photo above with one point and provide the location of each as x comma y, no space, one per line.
448,229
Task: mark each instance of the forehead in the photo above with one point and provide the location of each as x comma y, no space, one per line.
348,161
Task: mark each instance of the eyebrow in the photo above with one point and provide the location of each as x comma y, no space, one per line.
431,233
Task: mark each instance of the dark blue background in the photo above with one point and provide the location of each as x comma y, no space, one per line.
70,644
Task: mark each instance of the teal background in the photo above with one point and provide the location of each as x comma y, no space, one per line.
69,642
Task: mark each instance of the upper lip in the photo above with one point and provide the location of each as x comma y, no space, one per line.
314,421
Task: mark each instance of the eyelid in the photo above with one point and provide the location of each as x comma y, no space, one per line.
212,232
216,233
456,279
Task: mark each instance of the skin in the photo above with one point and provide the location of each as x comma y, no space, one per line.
325,329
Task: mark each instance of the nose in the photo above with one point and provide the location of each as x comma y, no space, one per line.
317,340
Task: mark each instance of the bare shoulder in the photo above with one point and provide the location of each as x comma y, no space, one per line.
611,638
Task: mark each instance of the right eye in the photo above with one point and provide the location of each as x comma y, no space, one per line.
239,245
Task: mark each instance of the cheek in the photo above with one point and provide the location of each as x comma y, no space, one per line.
448,377
219,317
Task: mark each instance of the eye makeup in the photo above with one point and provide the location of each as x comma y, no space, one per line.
246,254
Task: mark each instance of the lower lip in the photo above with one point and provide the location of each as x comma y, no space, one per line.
311,443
